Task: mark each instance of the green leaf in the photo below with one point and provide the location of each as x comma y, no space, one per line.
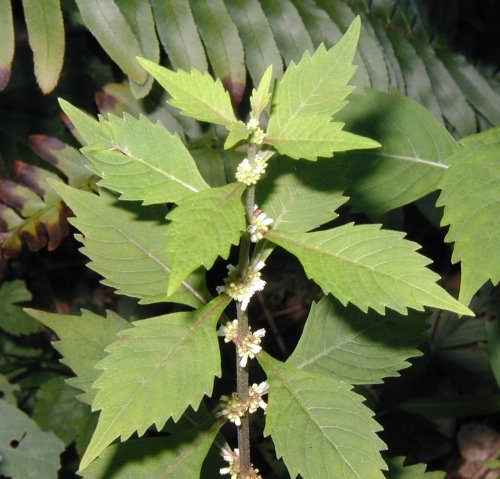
341,438
196,94
12,318
202,227
8,390
139,16
46,37
177,456
7,42
237,132
473,174
82,340
145,380
299,195
310,136
262,95
223,45
26,451
290,34
261,51
108,25
57,410
317,85
412,160
388,272
88,128
210,163
397,470
179,35
146,163
493,347
354,347
128,246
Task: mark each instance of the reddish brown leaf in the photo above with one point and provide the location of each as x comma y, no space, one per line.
43,146
4,77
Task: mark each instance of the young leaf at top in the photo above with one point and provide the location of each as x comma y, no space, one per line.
473,175
196,94
202,227
307,97
369,267
82,340
127,244
37,452
145,380
146,162
262,95
319,426
344,343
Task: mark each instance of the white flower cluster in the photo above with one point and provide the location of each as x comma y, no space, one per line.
234,408
248,347
248,172
259,225
233,467
242,289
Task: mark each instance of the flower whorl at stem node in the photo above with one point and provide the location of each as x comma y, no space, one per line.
259,225
249,172
233,467
242,288
248,347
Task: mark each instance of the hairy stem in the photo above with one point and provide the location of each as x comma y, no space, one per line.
242,377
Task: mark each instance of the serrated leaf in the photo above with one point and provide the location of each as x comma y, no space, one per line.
12,317
127,245
26,451
354,347
46,37
145,380
411,161
397,470
146,163
7,42
474,174
388,272
340,430
196,94
82,340
237,132
108,25
179,35
203,227
177,456
57,410
261,50
223,45
88,128
309,137
317,85
210,163
299,195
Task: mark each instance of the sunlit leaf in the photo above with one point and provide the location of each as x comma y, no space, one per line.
7,42
397,470
368,267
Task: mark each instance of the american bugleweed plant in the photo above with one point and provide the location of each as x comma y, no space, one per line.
159,368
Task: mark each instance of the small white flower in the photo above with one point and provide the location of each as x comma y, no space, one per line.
233,460
250,346
242,289
253,124
229,331
255,393
259,225
233,408
249,172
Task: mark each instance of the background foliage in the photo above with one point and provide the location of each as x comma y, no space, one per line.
428,51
